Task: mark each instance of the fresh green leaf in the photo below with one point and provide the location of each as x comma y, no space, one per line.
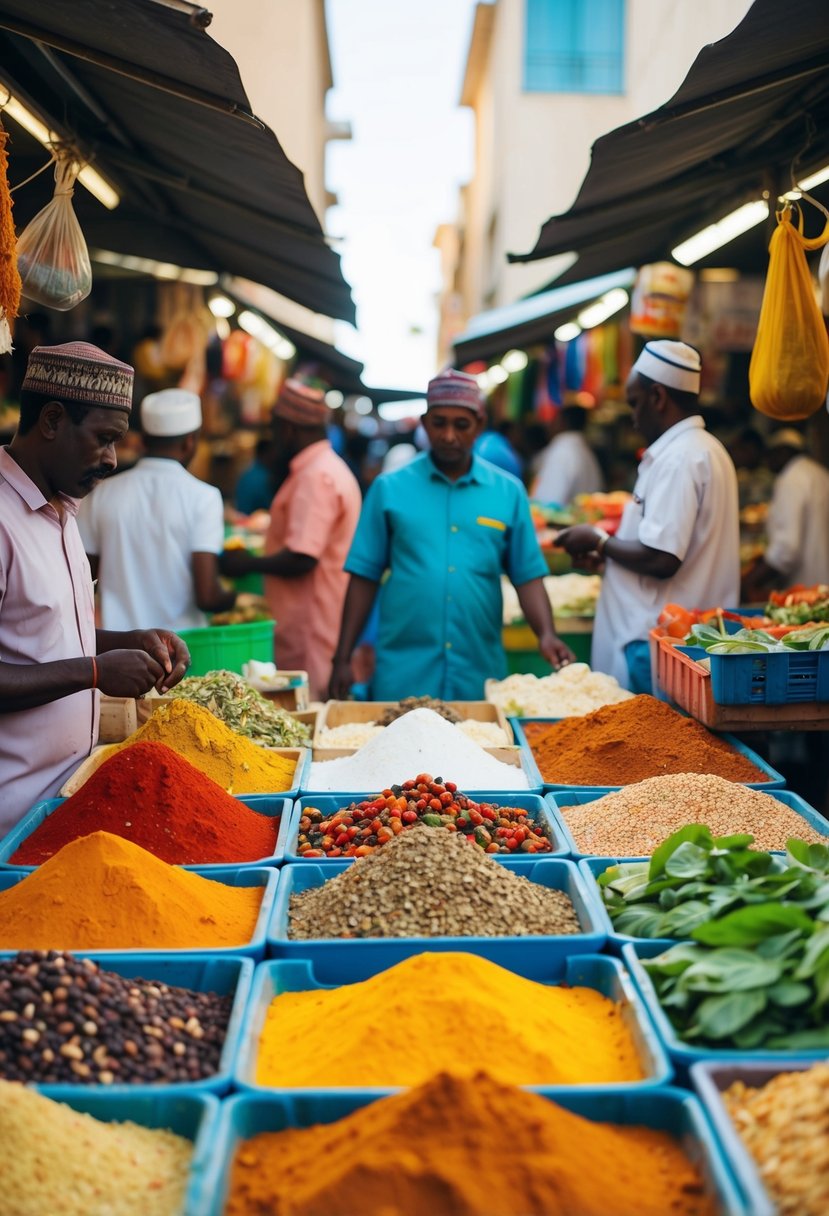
687,861
801,1040
749,926
638,921
781,945
682,919
730,970
740,840
789,993
719,1017
675,960
816,952
755,1033
695,833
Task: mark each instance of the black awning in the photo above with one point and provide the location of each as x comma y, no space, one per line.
158,107
748,107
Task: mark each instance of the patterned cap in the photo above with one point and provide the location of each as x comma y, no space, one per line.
451,387
78,371
301,404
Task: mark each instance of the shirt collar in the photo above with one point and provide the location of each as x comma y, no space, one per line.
20,481
695,423
477,473
308,455
168,463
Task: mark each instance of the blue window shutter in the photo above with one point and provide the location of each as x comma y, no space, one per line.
574,46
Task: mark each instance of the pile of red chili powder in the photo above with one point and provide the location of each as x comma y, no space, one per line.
150,795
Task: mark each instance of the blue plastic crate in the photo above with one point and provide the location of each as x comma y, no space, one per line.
606,975
194,1116
680,1052
578,796
340,961
709,1081
273,806
774,780
199,972
229,875
330,803
777,678
669,1110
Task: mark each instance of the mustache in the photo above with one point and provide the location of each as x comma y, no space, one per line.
94,475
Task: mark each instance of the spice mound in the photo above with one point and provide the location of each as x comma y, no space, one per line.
361,827
409,703
634,821
427,883
64,1019
393,1155
784,1124
105,893
426,1013
419,740
53,1159
152,796
234,763
243,709
629,742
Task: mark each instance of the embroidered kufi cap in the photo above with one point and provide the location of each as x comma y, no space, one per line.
456,388
78,371
301,404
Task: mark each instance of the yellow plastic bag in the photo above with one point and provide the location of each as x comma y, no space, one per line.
789,369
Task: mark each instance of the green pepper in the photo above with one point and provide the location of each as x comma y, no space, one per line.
432,821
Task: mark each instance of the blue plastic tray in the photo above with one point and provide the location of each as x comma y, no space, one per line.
670,1110
194,1116
777,678
229,875
264,804
558,799
341,961
329,803
682,1055
200,972
606,975
775,780
709,1080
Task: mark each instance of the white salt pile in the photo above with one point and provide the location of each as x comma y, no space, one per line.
418,742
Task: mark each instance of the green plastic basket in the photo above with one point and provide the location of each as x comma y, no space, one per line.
228,647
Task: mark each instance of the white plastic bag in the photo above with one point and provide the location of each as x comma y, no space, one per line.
51,251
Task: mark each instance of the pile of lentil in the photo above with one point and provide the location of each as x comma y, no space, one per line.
56,1161
64,1019
784,1124
361,827
243,709
634,821
428,883
631,741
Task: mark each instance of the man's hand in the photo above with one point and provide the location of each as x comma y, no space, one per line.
128,673
578,541
555,651
342,677
233,563
169,652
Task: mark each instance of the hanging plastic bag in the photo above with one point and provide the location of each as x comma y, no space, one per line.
51,251
823,280
789,369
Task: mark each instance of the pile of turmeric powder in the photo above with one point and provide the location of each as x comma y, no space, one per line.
104,893
474,1147
450,1011
232,761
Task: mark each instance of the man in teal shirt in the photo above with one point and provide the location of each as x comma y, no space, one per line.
434,537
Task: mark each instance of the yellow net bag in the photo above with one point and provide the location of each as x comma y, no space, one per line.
789,369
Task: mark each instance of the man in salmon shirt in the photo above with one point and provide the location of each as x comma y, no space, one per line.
313,518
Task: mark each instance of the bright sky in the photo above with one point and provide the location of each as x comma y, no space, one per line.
398,69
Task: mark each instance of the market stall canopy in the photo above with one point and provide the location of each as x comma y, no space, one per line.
158,107
750,105
490,334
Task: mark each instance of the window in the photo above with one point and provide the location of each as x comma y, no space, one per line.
574,46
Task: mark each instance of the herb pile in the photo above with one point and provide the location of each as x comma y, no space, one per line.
243,709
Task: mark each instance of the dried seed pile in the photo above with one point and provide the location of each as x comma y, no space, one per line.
63,1019
409,703
785,1126
634,821
430,883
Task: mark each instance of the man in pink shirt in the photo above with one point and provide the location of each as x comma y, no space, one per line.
313,519
74,407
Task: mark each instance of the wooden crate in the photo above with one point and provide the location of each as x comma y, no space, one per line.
98,754
338,713
296,698
118,719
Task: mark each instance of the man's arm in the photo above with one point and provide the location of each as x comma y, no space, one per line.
359,599
284,564
584,541
211,596
162,651
119,673
535,605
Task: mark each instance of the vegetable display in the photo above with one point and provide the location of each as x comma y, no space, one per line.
758,641
799,604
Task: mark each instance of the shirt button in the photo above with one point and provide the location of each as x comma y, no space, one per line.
448,645
454,528
451,569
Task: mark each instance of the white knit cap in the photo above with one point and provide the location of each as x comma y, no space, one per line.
173,411
673,364
787,437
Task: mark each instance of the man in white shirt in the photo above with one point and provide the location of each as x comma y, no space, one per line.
154,534
568,465
678,541
797,528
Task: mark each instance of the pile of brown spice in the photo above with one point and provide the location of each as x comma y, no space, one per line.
631,741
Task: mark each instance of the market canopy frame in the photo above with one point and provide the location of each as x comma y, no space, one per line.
142,92
751,105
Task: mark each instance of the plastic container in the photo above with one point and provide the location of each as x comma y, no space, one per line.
330,803
681,1053
200,972
231,876
274,806
341,961
670,1110
193,1115
228,647
709,1081
558,799
774,780
606,975
776,678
